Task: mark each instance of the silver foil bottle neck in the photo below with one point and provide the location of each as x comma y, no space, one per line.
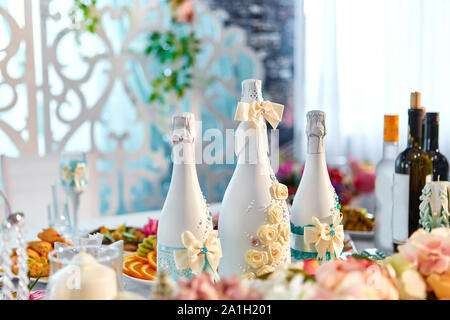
183,127
315,131
251,91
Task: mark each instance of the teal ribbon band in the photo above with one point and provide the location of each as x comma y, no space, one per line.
206,265
301,250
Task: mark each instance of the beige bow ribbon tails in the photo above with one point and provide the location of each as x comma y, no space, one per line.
199,256
272,112
326,237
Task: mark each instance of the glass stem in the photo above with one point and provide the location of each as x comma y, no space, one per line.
75,205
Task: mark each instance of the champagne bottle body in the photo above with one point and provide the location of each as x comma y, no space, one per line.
254,218
241,214
184,209
315,203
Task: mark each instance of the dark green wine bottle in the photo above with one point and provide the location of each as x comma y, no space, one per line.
431,146
413,169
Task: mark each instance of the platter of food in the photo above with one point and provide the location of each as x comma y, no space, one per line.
358,222
131,236
37,252
141,266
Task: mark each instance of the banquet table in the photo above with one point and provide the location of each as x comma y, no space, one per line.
140,219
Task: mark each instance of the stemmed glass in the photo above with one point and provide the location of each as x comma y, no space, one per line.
74,179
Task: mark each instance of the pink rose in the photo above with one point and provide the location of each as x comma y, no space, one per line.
428,251
355,279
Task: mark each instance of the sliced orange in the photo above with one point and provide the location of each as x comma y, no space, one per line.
135,256
141,259
148,272
132,274
133,268
151,259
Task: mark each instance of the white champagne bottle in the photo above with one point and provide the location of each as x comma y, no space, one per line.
254,219
384,185
185,208
316,205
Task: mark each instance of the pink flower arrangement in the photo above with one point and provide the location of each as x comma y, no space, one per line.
354,279
428,251
151,228
202,287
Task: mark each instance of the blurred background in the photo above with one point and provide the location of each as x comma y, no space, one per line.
105,77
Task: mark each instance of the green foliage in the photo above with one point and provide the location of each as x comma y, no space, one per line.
177,55
83,15
175,51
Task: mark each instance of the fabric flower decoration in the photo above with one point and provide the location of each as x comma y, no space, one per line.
256,258
249,276
279,191
326,238
66,174
284,232
275,213
264,270
275,251
199,256
79,176
268,233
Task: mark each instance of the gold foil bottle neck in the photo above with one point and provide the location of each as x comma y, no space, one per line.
391,128
415,100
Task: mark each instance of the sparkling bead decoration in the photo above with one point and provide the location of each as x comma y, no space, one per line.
14,223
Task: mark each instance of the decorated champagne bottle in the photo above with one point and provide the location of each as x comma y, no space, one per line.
316,228
186,241
254,219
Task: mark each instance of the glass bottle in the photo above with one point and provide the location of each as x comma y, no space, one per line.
384,185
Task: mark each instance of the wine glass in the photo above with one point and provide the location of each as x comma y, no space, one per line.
74,179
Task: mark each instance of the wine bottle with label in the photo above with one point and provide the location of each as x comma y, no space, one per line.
431,146
413,169
384,184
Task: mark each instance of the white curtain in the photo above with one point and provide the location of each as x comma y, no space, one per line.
360,59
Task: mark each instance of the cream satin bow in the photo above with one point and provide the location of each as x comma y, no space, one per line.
199,256
272,112
326,238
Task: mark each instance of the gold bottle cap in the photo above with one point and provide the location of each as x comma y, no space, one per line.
391,128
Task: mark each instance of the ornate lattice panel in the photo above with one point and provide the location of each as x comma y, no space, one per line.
89,92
